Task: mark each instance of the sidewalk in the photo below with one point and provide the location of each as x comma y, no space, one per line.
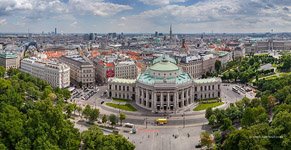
143,112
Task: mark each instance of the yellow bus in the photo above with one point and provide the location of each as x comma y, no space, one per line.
161,121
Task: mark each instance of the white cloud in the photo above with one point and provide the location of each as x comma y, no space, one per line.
161,2
206,15
3,22
223,13
97,7
73,24
35,9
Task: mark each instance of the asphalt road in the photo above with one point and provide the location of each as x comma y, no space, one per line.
173,136
228,96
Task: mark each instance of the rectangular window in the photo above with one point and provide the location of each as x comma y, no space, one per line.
158,98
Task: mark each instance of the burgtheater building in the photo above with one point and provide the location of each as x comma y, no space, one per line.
164,87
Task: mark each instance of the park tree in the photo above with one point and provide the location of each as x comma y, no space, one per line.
271,103
47,90
212,120
122,117
12,71
87,111
79,109
94,138
11,126
2,71
217,137
286,63
227,125
208,112
233,113
255,102
254,115
70,108
113,119
217,65
281,125
288,99
104,119
118,142
206,139
52,96
30,120
220,115
94,114
282,93
66,93
48,129
240,140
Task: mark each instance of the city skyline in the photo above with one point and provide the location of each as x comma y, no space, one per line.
145,16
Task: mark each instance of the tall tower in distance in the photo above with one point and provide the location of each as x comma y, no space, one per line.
171,33
55,31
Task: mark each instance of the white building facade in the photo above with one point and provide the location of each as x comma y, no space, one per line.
164,87
56,74
126,70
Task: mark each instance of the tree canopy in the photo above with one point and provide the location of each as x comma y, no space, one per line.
32,117
95,139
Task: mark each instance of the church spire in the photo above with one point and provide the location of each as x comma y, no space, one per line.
171,32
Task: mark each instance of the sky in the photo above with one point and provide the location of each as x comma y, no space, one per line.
145,16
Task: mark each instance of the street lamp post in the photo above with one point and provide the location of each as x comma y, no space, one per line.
170,144
183,120
119,108
146,121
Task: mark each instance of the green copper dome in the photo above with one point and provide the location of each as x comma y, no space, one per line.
164,66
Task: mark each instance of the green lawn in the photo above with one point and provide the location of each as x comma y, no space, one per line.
274,76
205,106
126,107
120,100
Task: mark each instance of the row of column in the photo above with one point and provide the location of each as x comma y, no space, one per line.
143,95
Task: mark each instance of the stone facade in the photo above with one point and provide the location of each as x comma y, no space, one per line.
56,74
126,70
82,71
167,89
9,60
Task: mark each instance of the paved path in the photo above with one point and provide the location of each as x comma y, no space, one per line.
152,137
174,119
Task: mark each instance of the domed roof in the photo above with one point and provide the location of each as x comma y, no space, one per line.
164,66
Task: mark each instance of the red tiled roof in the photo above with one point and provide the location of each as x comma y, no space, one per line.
109,64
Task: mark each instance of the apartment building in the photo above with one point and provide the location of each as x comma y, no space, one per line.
192,65
104,70
9,60
56,74
125,70
82,72
208,63
266,45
